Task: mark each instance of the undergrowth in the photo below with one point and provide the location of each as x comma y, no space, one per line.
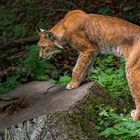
30,68
117,126
110,73
19,18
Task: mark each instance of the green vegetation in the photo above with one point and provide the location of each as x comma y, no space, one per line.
30,68
118,127
10,84
33,67
16,18
64,80
108,71
107,122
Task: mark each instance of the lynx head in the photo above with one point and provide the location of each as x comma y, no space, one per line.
48,43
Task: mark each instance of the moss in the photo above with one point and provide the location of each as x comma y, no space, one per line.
86,115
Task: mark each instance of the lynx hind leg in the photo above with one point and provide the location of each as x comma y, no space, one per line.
133,76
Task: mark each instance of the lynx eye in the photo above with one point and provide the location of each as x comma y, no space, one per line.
49,36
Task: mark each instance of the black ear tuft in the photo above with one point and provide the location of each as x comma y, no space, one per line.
49,35
37,29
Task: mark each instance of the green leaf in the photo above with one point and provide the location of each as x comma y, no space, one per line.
64,80
127,8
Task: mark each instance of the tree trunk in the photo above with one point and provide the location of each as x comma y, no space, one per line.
55,113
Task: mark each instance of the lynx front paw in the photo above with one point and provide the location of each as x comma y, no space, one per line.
73,85
135,115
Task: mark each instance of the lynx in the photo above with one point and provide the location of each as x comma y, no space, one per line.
91,34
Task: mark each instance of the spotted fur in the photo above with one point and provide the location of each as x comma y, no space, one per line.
91,34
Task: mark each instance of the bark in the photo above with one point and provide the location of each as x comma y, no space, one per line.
56,113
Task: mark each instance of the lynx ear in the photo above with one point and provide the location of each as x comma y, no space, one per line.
42,30
49,35
39,29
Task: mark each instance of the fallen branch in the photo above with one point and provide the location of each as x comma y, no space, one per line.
15,56
18,42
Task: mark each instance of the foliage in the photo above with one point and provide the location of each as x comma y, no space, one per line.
105,11
64,80
30,68
110,74
16,18
9,84
6,20
20,31
118,127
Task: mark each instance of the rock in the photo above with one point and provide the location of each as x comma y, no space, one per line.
55,113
